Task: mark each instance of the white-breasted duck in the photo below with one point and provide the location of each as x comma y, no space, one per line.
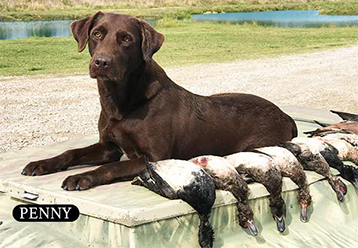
179,179
290,167
227,178
261,168
308,152
342,147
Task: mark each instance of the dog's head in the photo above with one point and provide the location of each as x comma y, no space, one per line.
118,44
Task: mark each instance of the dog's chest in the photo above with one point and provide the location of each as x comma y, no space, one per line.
117,133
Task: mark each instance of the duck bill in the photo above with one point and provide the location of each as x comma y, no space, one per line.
280,223
252,228
340,196
304,214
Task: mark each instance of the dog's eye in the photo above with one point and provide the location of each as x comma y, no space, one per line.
97,34
127,38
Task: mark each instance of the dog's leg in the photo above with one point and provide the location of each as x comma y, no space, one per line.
108,173
99,153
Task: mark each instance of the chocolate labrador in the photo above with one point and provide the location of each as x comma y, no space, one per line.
145,114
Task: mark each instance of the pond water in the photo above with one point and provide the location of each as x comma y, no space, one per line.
287,19
19,29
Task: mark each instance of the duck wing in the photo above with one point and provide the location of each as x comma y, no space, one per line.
323,132
346,116
200,193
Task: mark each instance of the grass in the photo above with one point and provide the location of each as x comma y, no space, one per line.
186,43
175,9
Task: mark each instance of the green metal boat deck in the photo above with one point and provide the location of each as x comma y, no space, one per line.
124,215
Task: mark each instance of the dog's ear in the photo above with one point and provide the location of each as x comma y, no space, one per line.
151,40
81,29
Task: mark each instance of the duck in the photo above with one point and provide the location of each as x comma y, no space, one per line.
290,167
341,127
341,147
349,124
261,168
350,138
346,144
325,130
227,178
346,116
181,179
308,153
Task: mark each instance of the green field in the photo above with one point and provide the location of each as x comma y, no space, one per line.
186,43
75,9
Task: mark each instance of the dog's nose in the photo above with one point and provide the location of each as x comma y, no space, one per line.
102,62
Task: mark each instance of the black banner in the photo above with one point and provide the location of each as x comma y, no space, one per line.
46,213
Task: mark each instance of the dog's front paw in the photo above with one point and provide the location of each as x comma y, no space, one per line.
40,167
80,181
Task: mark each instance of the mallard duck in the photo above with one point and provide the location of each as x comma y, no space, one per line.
227,178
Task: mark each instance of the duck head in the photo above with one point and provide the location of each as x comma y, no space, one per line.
250,224
280,223
252,227
246,220
305,200
304,214
341,190
279,215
